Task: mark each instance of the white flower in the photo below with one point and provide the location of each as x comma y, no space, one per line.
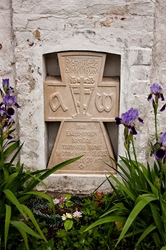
77,214
66,216
56,201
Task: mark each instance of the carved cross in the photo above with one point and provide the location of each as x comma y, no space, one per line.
82,100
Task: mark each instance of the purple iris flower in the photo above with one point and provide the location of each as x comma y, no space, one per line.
157,91
6,87
7,109
5,83
161,152
10,101
128,118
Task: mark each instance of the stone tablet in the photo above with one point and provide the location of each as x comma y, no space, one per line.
82,100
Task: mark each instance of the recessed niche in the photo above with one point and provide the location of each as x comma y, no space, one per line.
111,69
112,65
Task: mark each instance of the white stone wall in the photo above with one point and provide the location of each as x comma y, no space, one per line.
133,29
159,57
7,62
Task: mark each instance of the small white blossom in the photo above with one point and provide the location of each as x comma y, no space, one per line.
56,201
77,214
66,216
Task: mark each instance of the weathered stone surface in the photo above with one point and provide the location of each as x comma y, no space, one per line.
86,138
88,94
82,100
6,41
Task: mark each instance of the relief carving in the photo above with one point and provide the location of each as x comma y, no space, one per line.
82,102
81,93
104,102
56,102
81,66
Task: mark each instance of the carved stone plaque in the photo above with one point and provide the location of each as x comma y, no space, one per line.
82,100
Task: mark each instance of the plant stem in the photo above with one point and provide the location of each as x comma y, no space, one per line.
155,107
134,151
1,151
155,119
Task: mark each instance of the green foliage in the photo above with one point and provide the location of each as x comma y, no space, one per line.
67,201
75,238
139,207
104,236
16,184
101,237
15,193
68,224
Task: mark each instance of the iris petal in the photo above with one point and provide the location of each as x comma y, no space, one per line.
9,100
16,105
118,120
162,97
149,97
10,111
9,137
140,120
132,130
163,139
163,108
160,153
155,88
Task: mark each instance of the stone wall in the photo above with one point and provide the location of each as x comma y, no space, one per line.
132,29
159,54
7,62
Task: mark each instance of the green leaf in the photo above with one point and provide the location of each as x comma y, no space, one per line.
154,189
157,220
6,174
118,206
134,232
24,235
140,197
7,223
16,153
34,177
105,220
10,179
68,224
132,216
125,189
22,226
156,239
67,196
32,218
163,248
11,148
147,231
14,200
50,171
24,198
69,203
124,176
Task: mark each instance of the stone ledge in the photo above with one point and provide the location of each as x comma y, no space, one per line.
76,184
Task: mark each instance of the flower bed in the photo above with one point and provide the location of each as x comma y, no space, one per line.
78,212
